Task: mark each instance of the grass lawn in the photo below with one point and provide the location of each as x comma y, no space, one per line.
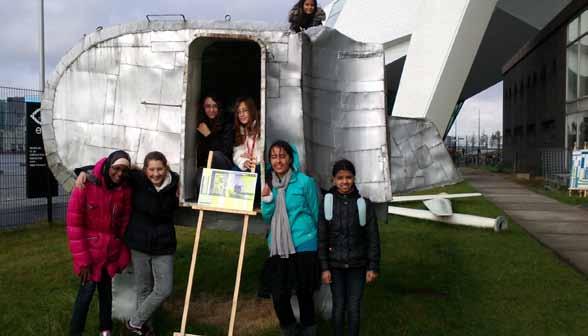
435,279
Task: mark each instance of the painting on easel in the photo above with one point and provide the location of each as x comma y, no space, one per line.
225,189
579,172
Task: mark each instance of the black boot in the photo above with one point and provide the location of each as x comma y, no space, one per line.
288,330
308,331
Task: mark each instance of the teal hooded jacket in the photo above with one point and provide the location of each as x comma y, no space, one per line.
302,206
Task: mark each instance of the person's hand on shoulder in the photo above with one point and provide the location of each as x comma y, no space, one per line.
81,180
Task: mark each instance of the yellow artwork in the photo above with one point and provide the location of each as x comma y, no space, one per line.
225,189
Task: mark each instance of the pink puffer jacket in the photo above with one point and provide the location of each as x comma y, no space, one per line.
96,222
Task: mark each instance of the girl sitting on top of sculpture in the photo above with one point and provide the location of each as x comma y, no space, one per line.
305,14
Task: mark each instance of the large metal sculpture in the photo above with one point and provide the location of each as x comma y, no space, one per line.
135,87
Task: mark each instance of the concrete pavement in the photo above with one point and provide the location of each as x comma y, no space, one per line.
561,227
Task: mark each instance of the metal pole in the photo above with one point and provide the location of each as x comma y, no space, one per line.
42,89
479,152
42,46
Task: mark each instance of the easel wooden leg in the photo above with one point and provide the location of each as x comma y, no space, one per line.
191,275
238,278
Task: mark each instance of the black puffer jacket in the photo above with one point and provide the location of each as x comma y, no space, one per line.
151,229
300,21
220,139
343,242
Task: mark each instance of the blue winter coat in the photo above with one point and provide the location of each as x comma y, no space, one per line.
302,206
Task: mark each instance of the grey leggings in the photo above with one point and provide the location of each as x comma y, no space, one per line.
154,278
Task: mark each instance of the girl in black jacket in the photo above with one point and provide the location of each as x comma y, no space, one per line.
349,246
151,236
305,14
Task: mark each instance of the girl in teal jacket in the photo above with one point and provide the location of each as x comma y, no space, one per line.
291,207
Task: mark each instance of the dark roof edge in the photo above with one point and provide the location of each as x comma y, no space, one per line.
560,19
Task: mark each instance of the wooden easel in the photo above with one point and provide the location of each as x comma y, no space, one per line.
201,210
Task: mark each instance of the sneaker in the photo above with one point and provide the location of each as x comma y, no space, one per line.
134,330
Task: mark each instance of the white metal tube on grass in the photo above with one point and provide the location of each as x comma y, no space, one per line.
498,224
398,199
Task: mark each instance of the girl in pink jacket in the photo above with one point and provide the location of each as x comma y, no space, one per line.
97,218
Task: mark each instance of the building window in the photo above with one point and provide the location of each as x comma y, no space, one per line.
583,23
583,139
573,30
572,72
577,58
572,132
583,69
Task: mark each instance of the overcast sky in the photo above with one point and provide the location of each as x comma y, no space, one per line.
66,21
489,103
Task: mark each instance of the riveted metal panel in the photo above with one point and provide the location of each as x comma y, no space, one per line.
337,73
171,90
418,157
101,59
171,36
278,52
135,86
158,47
168,143
144,57
170,119
81,96
112,136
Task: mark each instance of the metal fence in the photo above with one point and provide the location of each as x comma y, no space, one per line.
555,166
16,210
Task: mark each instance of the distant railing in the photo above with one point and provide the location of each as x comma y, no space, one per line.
555,166
16,210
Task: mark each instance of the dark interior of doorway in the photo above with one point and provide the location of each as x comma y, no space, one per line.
232,69
227,68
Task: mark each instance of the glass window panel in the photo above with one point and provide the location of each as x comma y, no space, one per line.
583,71
584,23
572,72
572,131
573,30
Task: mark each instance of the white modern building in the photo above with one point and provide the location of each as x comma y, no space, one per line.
439,53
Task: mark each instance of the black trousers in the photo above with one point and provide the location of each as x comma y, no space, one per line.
347,288
82,305
298,274
284,312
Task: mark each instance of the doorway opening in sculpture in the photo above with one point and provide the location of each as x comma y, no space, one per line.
229,68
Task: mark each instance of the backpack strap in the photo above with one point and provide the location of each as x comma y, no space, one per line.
328,205
361,211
